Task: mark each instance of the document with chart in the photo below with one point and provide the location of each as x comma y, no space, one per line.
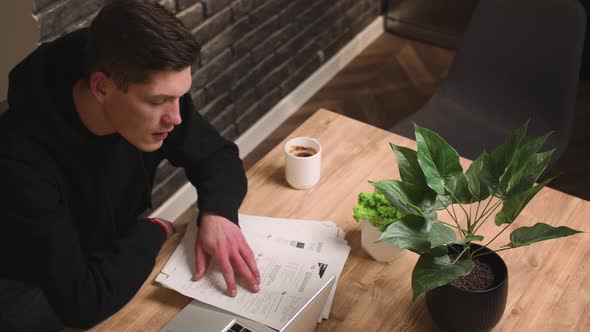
294,257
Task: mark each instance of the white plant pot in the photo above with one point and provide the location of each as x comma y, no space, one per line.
383,252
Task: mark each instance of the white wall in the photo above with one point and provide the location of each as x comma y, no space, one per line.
18,36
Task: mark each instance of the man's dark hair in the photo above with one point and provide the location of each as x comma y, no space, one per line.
129,40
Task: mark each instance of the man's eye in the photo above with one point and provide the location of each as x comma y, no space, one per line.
156,102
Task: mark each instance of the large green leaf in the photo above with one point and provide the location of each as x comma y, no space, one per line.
439,161
409,168
478,170
458,188
529,174
524,162
402,196
501,157
512,207
410,232
524,236
410,199
441,235
431,203
431,272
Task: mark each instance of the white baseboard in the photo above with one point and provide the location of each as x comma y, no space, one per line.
187,195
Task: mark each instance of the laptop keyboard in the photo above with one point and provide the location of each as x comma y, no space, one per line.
238,328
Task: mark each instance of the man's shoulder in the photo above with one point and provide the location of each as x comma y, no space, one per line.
21,141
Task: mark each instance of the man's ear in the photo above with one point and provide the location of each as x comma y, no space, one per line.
99,85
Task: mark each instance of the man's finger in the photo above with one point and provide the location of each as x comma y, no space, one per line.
248,257
227,270
244,270
201,261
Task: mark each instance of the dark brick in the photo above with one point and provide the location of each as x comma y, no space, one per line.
273,42
264,12
224,119
164,172
353,13
165,168
269,101
213,6
292,10
213,26
338,43
241,8
230,133
192,16
375,8
183,4
232,74
272,80
53,21
292,46
163,191
197,64
199,98
226,38
331,27
337,10
301,74
245,100
84,22
255,37
307,17
305,53
253,76
360,23
212,70
247,118
215,107
39,5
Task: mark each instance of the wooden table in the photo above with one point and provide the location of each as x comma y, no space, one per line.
549,281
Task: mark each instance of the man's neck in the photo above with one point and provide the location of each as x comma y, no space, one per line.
89,111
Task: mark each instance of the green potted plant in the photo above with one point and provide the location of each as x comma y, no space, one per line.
452,269
375,213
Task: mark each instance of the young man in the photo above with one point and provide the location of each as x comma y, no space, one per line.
91,116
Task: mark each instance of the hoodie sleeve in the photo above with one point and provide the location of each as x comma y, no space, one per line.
211,162
39,244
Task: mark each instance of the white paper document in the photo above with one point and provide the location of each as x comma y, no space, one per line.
295,258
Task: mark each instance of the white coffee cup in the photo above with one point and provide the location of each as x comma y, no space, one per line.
303,157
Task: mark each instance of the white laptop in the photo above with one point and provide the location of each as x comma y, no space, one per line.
201,317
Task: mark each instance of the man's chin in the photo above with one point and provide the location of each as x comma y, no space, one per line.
148,147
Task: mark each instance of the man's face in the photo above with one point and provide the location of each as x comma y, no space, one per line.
146,113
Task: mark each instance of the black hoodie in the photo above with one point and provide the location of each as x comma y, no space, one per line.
70,200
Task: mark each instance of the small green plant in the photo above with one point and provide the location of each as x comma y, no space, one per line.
432,180
376,209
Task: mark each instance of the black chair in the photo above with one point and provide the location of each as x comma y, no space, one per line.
519,59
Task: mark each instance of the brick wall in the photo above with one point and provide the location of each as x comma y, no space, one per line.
253,52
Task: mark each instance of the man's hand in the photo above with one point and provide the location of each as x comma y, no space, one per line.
223,240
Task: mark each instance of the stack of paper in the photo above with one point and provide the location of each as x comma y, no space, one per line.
294,257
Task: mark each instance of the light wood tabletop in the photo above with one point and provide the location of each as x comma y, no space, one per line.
549,282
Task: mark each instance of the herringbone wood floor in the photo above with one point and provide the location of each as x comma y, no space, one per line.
394,77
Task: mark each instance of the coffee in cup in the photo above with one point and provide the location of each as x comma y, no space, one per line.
302,151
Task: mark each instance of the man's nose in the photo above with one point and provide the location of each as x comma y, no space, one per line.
172,116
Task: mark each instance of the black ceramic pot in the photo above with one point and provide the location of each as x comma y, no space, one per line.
456,309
